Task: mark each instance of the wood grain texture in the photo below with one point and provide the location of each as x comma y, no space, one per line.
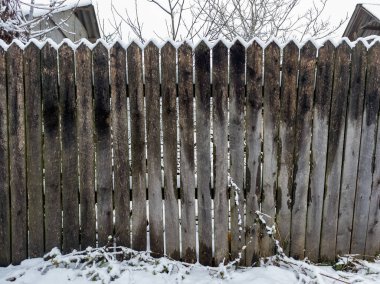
302,148
367,152
169,123
17,160
5,208
136,96
321,111
271,124
152,96
236,135
102,112
335,152
85,133
254,134
186,134
202,96
220,135
70,182
121,168
51,149
287,139
352,146
32,83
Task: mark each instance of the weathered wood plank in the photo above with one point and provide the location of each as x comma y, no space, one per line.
236,135
51,149
254,126
17,161
302,148
287,139
32,83
103,143
169,123
85,133
152,96
136,96
5,210
119,115
352,146
70,183
220,136
335,152
271,123
202,95
321,111
367,152
186,130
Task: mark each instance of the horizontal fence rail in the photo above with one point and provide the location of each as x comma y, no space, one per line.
174,149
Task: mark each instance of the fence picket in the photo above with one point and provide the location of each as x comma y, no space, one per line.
136,97
335,151
32,77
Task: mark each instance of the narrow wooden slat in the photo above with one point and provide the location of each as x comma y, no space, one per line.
169,123
136,96
367,152
51,149
103,143
32,77
152,95
220,136
70,184
186,130
254,130
202,95
321,111
302,149
352,146
236,135
119,115
85,132
287,127
335,152
271,122
5,210
17,161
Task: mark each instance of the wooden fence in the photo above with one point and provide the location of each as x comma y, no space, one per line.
296,129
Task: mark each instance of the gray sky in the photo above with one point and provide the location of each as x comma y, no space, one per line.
154,22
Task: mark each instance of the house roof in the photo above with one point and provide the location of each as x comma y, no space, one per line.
364,21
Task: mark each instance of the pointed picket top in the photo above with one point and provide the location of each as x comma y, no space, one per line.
374,48
202,56
185,47
202,46
118,45
256,45
328,45
68,42
83,47
168,46
220,45
100,47
15,48
273,44
151,44
85,42
48,45
291,46
310,46
32,46
237,48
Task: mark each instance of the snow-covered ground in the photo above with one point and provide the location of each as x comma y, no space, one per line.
122,265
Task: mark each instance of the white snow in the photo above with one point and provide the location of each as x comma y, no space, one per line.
41,7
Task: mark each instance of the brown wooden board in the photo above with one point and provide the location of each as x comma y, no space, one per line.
121,169
220,136
254,129
152,96
270,151
17,160
236,137
85,132
70,184
32,83
335,152
352,146
136,96
321,111
51,149
287,127
202,96
103,167
302,148
186,131
5,210
169,123
367,152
